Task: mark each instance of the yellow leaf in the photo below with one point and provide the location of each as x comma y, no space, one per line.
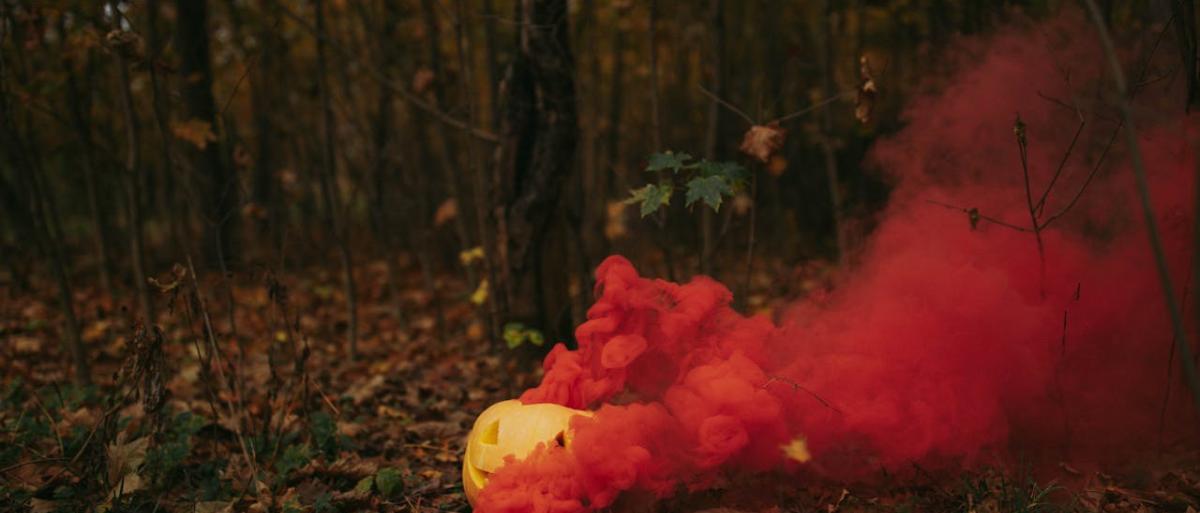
470,255
196,131
481,293
797,449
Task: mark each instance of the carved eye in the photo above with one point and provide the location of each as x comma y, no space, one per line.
560,439
490,434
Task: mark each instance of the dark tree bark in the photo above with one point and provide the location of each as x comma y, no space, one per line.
133,180
328,175
23,155
1184,12
824,36
441,137
539,134
79,104
716,114
219,183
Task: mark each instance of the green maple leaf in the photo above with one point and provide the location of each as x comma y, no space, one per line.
710,189
651,197
731,171
667,160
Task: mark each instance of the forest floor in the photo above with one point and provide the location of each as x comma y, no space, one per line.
185,422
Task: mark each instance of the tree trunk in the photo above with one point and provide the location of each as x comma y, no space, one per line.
219,183
1184,12
825,43
328,176
715,117
78,101
446,152
24,157
538,136
133,186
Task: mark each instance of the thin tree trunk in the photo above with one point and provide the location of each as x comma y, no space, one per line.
442,137
133,186
77,101
328,176
381,166
493,60
479,178
825,43
171,189
616,87
221,191
713,133
1184,13
24,157
655,123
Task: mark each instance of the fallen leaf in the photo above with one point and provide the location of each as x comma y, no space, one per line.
797,450
363,390
124,457
26,345
213,507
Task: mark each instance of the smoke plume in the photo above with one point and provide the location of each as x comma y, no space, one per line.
952,343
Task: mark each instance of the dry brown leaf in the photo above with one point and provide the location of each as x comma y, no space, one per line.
26,345
422,79
446,212
124,457
213,507
42,506
777,165
614,227
195,131
762,141
363,390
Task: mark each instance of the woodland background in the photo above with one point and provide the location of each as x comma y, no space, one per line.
239,207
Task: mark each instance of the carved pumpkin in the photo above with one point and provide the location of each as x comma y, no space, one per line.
511,428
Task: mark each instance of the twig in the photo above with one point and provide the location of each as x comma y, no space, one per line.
798,386
976,216
1143,187
1040,206
1088,180
1023,144
815,106
732,108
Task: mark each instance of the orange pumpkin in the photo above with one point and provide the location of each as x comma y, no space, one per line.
511,428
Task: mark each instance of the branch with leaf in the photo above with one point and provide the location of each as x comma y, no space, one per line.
703,179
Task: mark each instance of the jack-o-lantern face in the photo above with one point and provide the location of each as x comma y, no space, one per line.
511,428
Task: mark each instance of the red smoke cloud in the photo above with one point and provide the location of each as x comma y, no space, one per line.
946,346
